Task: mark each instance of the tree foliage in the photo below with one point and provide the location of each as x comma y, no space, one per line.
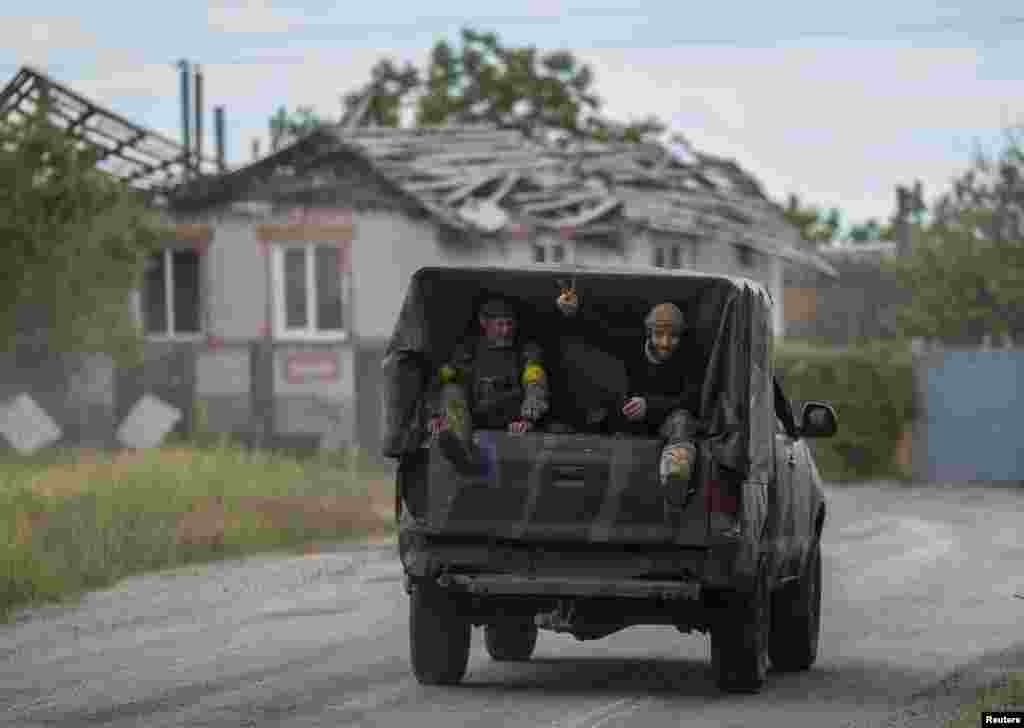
814,223
285,125
389,88
74,242
966,263
866,232
487,81
481,80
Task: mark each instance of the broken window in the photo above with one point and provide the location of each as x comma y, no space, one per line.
309,290
328,289
675,257
296,313
170,293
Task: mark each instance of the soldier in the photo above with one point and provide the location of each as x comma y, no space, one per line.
491,382
664,385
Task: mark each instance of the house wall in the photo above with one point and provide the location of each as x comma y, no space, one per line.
387,248
862,303
714,256
237,273
224,385
314,390
241,383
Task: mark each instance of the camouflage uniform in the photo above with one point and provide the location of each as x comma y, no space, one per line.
491,383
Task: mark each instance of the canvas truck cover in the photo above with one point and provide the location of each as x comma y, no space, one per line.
733,335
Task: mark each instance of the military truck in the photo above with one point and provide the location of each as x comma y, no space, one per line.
572,531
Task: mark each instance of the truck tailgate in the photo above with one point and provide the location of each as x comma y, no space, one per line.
547,487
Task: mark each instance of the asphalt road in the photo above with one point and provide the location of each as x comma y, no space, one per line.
917,582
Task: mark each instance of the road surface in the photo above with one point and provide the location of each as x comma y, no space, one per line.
917,581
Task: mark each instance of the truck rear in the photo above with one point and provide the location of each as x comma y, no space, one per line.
574,532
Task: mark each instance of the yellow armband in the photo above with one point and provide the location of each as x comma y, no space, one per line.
534,374
449,374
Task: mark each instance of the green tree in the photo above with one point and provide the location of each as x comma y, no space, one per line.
868,231
481,80
965,265
284,125
486,81
388,89
74,242
815,224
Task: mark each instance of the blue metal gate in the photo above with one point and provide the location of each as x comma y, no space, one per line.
974,413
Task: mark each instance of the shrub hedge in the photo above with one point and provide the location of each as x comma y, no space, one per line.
870,386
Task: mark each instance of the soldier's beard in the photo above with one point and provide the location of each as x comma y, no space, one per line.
656,355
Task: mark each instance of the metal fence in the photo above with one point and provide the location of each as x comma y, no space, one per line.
971,425
80,400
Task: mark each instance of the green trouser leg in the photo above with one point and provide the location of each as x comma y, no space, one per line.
456,443
456,408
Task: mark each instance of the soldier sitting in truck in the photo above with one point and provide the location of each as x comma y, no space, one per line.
492,381
664,387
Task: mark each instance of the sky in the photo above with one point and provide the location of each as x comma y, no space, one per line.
835,104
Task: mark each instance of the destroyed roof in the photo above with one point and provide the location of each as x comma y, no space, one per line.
491,180
143,158
488,179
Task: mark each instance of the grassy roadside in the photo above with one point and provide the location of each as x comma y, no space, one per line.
1007,694
76,521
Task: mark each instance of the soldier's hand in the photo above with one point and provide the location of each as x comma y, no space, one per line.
519,426
635,409
438,424
532,410
568,302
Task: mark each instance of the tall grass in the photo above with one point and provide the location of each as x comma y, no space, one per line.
75,521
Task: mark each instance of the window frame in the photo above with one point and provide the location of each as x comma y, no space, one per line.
546,248
675,256
171,333
278,284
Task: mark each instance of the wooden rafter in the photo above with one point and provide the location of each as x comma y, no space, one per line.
144,157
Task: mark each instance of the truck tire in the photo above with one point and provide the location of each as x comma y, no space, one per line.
797,619
510,640
739,640
438,637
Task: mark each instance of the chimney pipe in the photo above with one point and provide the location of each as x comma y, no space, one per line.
186,139
199,119
218,132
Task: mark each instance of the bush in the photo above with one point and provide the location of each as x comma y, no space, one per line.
871,388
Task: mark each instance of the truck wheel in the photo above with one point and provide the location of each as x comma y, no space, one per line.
438,637
739,640
510,640
797,619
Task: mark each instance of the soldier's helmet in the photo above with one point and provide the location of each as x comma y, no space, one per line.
498,321
497,308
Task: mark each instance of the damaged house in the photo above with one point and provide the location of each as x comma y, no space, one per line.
284,278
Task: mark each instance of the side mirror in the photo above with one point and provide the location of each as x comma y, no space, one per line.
818,420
